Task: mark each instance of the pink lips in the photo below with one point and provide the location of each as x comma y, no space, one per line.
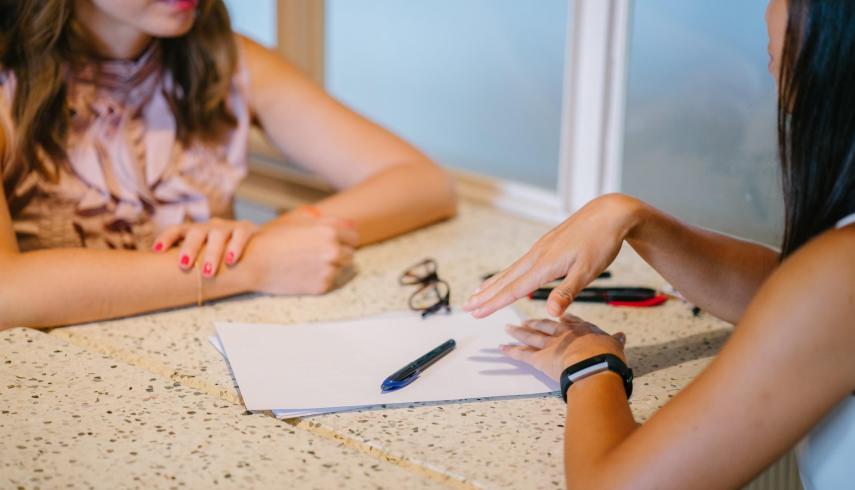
181,5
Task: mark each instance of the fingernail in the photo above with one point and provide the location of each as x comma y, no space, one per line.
185,260
207,269
230,258
158,247
350,223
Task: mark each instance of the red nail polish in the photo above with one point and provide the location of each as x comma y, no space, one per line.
208,269
185,260
158,247
230,258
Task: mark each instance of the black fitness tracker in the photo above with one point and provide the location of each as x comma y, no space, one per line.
594,365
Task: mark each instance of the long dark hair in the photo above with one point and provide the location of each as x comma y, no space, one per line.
40,40
816,118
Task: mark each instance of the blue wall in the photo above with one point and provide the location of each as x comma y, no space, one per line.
700,127
255,19
474,83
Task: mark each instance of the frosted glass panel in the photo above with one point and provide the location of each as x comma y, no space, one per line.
474,83
255,19
700,127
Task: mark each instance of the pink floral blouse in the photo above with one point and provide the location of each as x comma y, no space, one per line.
127,177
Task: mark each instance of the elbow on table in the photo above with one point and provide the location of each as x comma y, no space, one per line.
5,304
607,472
8,292
443,191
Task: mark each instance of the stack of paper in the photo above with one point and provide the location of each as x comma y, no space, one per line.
309,369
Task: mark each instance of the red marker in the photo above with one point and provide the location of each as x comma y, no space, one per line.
615,296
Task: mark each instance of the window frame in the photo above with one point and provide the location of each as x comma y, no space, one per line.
595,83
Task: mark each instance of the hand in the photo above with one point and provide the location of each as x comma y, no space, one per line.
219,238
307,258
552,346
580,249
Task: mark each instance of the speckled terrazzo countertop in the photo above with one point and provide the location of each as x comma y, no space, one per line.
146,401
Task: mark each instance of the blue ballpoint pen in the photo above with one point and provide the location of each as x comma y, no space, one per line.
411,371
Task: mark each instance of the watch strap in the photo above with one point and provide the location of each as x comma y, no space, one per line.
594,365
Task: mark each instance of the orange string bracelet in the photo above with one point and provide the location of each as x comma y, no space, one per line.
311,211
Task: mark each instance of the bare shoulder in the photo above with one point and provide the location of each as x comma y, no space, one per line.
260,59
274,82
818,282
248,47
828,255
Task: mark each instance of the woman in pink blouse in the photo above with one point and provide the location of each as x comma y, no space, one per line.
123,135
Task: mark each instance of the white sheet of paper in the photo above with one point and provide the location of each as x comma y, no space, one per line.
279,414
341,365
285,414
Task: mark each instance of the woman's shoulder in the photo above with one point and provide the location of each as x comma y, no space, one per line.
259,58
836,243
820,276
269,75
248,50
828,254
252,57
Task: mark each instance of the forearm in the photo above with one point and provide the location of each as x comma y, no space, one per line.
396,200
66,286
387,187
598,420
718,273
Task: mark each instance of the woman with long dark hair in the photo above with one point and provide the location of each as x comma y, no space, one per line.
787,373
124,127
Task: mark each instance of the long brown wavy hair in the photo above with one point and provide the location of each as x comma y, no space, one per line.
40,41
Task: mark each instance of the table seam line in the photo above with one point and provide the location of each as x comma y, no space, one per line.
376,452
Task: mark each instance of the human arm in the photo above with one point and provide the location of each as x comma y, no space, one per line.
64,286
718,273
56,287
222,240
786,366
387,187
